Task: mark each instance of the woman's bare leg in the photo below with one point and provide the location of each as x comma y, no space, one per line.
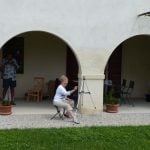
73,116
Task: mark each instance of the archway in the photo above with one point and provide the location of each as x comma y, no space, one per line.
130,61
41,54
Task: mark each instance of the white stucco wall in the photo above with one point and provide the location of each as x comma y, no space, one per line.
85,24
93,28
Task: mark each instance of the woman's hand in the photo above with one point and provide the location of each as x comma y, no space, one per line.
75,88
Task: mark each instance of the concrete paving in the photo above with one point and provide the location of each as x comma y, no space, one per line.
32,107
37,115
140,106
46,107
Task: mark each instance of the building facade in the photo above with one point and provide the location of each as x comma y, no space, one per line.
93,29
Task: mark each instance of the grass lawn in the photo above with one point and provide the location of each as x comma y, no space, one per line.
88,138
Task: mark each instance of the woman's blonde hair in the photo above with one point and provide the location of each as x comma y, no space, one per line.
63,78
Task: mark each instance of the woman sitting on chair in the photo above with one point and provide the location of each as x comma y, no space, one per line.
60,98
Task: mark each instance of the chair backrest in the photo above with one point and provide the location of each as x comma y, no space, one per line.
123,85
124,81
131,84
39,82
131,87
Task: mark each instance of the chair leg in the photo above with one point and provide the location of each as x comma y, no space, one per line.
130,101
41,96
54,115
58,113
38,98
61,116
127,99
28,97
122,99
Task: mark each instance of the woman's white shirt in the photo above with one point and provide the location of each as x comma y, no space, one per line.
61,93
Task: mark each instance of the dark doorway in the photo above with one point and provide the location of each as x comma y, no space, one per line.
72,65
72,73
113,68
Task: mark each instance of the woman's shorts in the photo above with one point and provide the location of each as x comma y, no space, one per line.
63,104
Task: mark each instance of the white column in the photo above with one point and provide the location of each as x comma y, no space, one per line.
91,103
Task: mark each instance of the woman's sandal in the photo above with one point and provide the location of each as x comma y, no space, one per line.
76,122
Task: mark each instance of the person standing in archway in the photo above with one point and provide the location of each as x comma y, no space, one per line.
9,67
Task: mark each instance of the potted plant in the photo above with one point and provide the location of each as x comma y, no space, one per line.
5,107
112,102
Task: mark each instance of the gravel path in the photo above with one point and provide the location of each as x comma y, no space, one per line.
43,120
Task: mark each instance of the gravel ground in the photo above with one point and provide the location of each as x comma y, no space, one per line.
44,121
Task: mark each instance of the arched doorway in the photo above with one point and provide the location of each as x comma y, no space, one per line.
41,54
130,61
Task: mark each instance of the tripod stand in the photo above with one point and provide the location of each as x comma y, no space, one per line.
82,92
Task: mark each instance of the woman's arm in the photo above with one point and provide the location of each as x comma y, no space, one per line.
64,92
74,89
